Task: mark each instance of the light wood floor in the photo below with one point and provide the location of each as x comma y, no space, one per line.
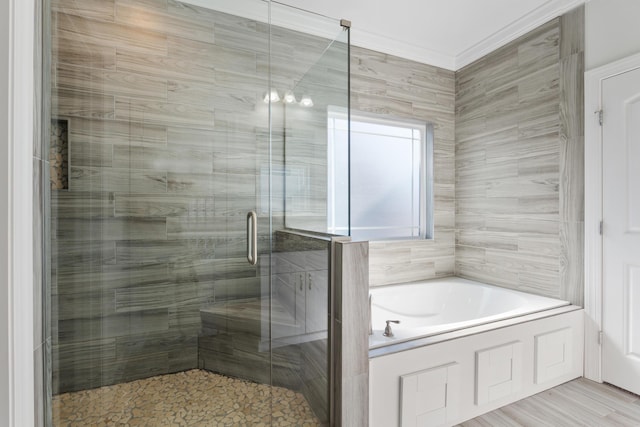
577,403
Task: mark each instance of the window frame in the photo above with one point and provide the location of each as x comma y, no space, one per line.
426,178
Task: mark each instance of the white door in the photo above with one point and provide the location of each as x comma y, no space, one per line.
621,237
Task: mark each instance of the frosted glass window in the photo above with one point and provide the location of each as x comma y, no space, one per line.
390,177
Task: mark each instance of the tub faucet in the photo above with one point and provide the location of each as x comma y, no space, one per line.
387,330
370,323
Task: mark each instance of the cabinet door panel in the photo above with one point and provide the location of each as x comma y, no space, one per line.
317,301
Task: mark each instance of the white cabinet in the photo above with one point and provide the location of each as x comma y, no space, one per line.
302,288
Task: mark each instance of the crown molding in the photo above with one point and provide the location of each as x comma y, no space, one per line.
551,9
372,41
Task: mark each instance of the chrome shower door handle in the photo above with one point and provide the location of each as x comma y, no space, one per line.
252,238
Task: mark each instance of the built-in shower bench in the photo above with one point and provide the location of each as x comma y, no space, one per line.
280,338
234,339
250,316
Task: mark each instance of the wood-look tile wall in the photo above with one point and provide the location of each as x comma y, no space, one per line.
519,163
388,85
167,139
350,326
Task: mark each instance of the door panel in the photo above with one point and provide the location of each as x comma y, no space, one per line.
621,238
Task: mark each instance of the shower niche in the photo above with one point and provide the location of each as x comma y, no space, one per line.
59,154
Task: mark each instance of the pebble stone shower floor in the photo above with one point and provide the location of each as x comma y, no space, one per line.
191,398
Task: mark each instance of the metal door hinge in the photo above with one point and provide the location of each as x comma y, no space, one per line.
600,114
601,227
600,337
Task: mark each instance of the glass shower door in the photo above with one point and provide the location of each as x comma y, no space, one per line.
159,134
310,75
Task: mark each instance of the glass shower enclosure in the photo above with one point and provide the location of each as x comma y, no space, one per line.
189,261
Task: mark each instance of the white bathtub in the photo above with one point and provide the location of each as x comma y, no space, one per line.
442,305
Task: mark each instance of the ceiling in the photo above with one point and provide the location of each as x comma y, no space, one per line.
445,33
